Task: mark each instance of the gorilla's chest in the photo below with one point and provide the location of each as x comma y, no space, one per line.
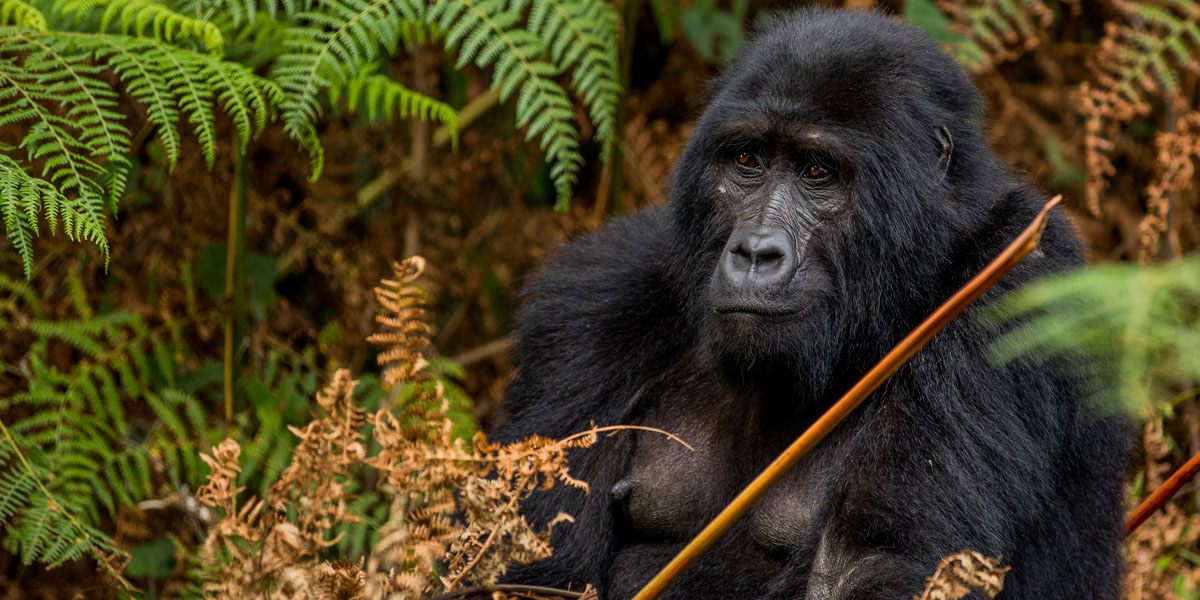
670,492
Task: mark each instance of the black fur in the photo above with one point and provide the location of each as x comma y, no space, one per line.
952,453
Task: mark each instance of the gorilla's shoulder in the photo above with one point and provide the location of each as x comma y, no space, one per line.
1059,249
596,311
598,266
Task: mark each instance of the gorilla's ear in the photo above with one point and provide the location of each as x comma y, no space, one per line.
947,142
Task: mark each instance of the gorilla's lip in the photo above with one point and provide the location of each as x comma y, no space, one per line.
759,311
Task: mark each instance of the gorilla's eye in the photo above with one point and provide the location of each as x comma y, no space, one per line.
747,160
816,172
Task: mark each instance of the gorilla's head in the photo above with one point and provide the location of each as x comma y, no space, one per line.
837,163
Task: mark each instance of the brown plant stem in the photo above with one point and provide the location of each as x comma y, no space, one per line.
1165,492
484,352
985,279
235,281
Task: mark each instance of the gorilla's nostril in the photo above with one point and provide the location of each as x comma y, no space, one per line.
769,256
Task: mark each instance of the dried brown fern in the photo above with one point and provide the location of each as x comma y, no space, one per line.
1166,533
963,573
1177,152
272,549
1137,63
406,332
454,507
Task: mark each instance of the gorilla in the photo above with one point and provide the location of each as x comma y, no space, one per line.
836,189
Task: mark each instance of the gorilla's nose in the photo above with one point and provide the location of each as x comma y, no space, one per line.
760,257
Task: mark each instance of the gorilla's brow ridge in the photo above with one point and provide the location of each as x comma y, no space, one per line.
741,133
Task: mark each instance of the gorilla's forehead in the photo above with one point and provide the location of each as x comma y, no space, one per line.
853,69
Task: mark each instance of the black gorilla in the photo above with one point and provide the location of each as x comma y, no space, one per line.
836,189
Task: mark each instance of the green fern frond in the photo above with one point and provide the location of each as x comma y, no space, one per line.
995,31
376,94
1140,323
20,14
26,95
45,528
243,11
487,33
56,86
146,18
101,457
582,38
23,198
329,50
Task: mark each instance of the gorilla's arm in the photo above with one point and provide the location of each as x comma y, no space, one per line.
942,451
586,343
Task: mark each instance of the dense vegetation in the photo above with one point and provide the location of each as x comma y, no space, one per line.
198,197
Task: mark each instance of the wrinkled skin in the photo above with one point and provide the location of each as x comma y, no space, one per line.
836,189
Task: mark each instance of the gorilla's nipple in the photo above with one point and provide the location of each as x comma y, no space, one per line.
621,490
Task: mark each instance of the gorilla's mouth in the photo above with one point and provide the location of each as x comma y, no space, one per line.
758,311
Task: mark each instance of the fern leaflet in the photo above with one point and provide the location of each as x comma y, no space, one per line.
145,18
375,93
582,36
20,14
488,33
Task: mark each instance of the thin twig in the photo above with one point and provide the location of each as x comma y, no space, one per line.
484,352
1164,493
507,587
624,427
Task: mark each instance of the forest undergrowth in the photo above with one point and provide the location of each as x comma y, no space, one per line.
128,360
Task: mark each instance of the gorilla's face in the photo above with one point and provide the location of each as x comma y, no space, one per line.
821,193
781,195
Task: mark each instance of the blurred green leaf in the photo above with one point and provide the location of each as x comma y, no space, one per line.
155,559
926,15
1135,330
715,33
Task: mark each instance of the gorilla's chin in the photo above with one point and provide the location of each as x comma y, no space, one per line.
754,344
